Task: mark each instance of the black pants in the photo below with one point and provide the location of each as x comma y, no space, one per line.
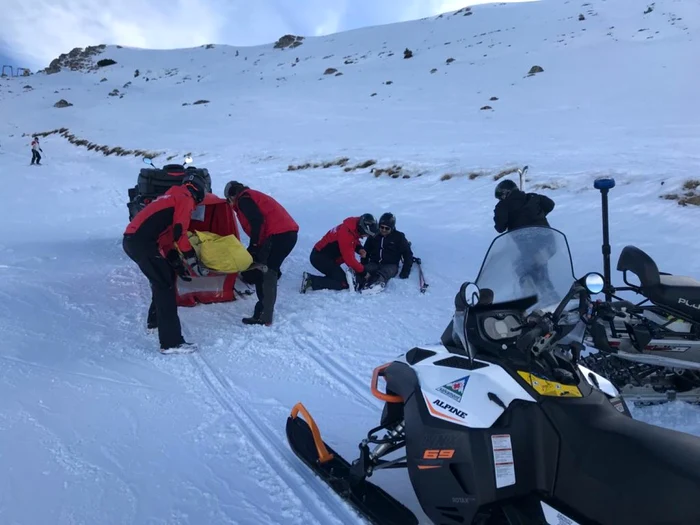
272,254
161,276
333,275
36,158
383,271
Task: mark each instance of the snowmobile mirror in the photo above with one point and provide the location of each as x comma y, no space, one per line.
188,159
594,282
469,294
148,161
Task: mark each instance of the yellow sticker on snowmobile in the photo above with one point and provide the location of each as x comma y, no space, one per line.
549,388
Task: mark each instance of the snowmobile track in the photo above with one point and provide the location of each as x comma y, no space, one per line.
343,375
322,503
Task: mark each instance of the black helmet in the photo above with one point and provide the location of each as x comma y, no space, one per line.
388,219
504,188
367,225
196,186
233,188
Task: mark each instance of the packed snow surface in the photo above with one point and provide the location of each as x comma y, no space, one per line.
97,427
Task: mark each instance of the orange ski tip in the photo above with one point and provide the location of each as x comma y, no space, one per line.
379,371
323,455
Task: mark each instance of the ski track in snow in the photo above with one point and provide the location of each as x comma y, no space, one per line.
277,457
108,431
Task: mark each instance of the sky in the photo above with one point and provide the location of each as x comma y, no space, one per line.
37,31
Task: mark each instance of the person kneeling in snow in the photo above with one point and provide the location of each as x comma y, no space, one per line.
385,252
160,228
339,245
273,235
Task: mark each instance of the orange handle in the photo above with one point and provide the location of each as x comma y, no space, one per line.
379,371
323,455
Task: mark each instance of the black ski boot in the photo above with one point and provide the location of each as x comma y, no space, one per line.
182,348
257,314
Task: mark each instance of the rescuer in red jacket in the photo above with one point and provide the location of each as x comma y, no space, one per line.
154,232
339,246
273,235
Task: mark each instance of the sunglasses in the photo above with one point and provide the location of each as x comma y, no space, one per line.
385,228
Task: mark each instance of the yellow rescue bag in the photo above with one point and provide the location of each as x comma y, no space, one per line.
223,254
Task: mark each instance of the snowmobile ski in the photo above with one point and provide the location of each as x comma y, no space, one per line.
372,502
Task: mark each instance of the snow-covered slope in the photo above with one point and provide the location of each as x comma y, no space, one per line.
99,428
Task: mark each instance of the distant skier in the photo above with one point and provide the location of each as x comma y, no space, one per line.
516,209
36,148
156,230
385,252
339,245
273,235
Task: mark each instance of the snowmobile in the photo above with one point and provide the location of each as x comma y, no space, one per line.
153,182
501,425
654,351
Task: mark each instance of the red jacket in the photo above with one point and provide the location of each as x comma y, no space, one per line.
165,220
262,216
342,242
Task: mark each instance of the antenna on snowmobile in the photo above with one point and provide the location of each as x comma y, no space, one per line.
604,185
521,174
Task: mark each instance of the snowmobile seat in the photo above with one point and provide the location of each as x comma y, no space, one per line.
675,293
616,469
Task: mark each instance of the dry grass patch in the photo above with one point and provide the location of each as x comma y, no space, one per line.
91,146
504,173
342,161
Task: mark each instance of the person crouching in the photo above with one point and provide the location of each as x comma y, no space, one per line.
339,245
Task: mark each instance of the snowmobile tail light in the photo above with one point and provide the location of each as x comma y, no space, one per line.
323,455
379,371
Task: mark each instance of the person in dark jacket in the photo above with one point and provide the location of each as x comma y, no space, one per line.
385,252
273,235
339,245
151,240
516,209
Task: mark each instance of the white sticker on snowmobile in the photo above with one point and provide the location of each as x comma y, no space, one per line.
198,213
504,465
599,382
554,517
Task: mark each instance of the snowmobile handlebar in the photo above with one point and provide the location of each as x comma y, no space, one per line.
539,326
546,325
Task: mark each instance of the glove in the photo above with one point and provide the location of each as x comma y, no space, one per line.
194,264
173,257
253,250
175,261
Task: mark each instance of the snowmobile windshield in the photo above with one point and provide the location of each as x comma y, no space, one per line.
526,262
